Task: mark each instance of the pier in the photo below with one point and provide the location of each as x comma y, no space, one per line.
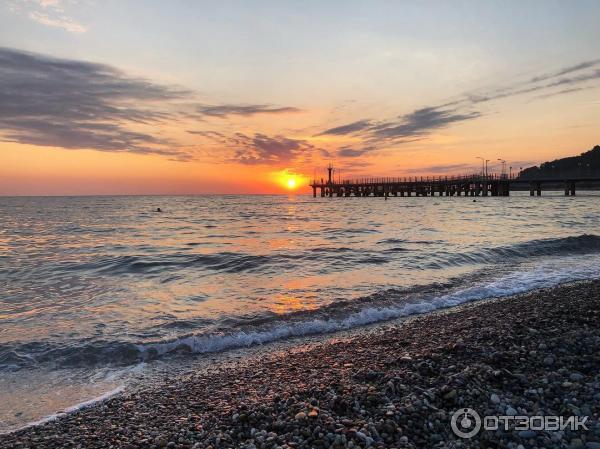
474,185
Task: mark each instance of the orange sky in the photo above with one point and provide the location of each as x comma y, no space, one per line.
227,103
520,136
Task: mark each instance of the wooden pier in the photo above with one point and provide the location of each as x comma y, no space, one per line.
466,185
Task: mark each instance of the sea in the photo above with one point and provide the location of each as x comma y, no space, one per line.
98,291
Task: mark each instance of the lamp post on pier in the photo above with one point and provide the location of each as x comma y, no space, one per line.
482,165
503,174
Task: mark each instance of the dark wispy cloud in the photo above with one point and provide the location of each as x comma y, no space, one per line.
406,127
566,70
261,149
568,78
350,152
419,123
243,110
565,91
325,153
350,128
99,136
356,164
73,104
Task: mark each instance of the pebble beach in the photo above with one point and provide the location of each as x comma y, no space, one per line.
395,385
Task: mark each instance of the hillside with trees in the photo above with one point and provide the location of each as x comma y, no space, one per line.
586,165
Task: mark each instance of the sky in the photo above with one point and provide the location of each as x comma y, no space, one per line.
186,97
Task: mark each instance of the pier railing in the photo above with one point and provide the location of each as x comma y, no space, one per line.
418,179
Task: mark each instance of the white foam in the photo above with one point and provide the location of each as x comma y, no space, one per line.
544,274
94,401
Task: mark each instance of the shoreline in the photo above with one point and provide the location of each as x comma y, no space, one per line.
308,382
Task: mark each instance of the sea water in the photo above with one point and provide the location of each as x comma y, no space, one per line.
93,286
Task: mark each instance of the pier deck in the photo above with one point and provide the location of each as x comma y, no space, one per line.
469,185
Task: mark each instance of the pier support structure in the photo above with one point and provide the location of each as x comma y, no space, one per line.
428,186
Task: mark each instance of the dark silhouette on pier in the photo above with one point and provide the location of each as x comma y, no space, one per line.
566,174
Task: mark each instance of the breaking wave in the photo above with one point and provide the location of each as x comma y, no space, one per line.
340,315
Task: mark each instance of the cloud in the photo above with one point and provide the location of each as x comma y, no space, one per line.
51,13
212,135
47,101
566,70
325,153
243,110
565,91
407,127
73,104
350,128
262,149
419,123
64,22
353,152
356,165
544,82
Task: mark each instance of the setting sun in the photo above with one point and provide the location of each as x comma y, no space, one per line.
289,180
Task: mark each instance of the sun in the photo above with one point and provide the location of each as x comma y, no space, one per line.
289,180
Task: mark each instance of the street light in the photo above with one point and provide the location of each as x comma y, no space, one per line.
483,162
503,174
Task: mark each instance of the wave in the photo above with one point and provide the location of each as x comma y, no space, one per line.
555,247
403,253
340,315
223,262
543,276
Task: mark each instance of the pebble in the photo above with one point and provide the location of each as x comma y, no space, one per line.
527,434
576,377
300,416
450,395
394,386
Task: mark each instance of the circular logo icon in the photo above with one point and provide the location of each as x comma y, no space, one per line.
465,422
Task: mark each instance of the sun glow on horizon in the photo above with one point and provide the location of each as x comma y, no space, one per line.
289,180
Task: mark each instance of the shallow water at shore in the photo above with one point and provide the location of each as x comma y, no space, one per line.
94,286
